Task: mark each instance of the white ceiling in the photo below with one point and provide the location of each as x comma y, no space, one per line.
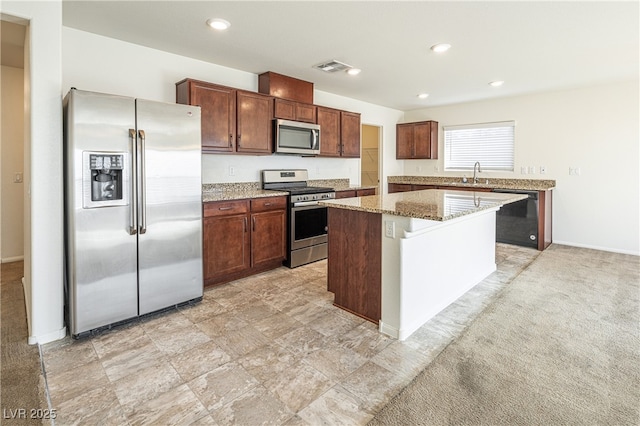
532,46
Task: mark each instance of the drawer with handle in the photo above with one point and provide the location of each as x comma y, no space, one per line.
223,208
268,203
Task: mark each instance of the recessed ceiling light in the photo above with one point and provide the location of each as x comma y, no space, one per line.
440,47
423,95
218,24
354,71
496,83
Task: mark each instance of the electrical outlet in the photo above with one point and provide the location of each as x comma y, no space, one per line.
532,170
436,168
390,229
232,171
543,170
17,177
523,170
574,171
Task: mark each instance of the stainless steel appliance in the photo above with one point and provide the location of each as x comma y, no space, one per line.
517,223
307,221
294,137
133,210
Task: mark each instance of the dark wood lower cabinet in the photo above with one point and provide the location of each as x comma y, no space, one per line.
243,237
544,219
268,237
399,187
350,193
354,271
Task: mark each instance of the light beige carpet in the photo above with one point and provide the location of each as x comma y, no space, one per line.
559,346
21,380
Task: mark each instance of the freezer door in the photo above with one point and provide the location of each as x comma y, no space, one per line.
170,205
100,251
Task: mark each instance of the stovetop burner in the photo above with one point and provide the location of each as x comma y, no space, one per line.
295,183
307,190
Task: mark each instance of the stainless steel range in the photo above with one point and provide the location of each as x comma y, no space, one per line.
307,220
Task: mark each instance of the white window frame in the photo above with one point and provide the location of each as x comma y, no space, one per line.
492,144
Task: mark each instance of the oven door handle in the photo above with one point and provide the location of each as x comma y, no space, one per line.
305,203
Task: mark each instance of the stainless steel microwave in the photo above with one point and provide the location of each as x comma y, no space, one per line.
294,137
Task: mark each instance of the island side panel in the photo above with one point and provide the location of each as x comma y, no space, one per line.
354,261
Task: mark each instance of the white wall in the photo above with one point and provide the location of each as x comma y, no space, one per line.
595,129
97,63
12,248
44,294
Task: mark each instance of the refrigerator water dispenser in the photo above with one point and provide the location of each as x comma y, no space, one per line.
105,179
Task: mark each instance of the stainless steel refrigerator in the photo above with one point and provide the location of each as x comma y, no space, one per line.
133,208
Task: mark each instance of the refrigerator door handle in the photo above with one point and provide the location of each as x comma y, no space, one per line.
133,223
142,181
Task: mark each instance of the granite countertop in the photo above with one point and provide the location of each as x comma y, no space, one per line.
434,204
493,183
236,191
338,184
242,190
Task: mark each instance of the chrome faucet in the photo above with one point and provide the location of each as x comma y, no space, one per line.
475,178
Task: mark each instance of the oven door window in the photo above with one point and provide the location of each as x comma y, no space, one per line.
309,222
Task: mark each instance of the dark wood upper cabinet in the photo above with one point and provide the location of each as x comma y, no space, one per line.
329,121
339,133
297,111
350,134
254,123
218,112
417,140
241,121
231,120
285,87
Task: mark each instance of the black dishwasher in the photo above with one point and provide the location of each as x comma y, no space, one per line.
517,223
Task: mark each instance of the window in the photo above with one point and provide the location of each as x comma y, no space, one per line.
489,143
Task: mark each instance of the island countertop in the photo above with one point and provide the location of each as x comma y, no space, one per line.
491,183
430,204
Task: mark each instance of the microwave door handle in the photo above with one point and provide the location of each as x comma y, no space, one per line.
315,138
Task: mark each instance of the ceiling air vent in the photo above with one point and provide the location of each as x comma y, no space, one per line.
332,66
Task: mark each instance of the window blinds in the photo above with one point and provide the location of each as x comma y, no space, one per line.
492,144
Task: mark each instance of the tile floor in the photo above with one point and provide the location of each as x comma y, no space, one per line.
268,349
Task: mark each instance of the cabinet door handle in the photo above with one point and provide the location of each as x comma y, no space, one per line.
238,140
230,140
245,224
224,208
253,224
267,204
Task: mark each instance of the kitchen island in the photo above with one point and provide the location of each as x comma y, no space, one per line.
399,259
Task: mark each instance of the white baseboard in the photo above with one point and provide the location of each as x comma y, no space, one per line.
48,337
11,259
588,246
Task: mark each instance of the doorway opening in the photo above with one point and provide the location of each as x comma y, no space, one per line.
370,156
12,145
